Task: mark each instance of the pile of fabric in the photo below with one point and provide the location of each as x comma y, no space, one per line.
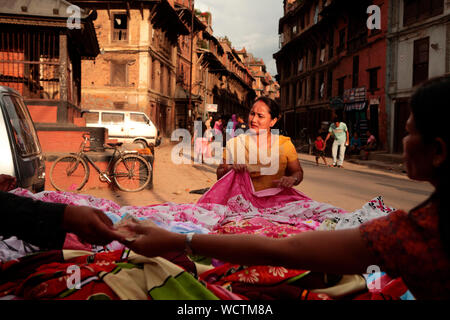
82,271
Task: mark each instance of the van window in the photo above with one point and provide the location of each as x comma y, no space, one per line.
138,117
25,136
91,117
112,118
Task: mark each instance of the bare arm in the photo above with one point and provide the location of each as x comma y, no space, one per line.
340,251
294,169
293,177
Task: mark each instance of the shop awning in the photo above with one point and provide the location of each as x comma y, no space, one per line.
355,106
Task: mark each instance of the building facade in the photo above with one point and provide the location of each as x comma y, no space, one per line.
330,64
41,57
264,84
224,82
137,60
418,49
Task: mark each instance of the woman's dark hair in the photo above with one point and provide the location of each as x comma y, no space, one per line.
429,103
274,108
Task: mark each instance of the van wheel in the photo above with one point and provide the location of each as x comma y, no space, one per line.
141,144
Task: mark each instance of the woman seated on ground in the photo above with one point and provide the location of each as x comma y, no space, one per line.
371,145
355,144
414,246
283,171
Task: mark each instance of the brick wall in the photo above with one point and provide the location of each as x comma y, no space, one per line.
60,141
46,114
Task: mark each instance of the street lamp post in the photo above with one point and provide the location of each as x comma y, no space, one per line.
190,111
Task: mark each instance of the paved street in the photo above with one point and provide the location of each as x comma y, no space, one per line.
352,186
348,188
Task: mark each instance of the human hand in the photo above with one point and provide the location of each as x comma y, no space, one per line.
7,182
90,225
152,240
285,182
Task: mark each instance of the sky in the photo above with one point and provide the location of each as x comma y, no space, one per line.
252,24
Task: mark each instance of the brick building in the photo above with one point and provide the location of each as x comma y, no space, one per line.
264,84
330,63
188,100
137,60
40,56
223,79
418,49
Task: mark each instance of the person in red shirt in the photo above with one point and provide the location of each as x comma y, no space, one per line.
413,245
319,150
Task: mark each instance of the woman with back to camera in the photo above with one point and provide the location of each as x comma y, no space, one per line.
414,246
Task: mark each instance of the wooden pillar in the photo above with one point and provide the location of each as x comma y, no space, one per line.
62,115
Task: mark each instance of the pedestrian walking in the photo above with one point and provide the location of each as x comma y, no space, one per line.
339,131
200,141
231,127
319,149
208,122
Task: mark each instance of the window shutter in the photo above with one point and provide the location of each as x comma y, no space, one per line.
421,60
410,12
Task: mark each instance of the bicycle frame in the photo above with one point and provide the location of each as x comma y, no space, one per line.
82,153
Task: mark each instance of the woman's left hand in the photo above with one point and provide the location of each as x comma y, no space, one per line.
285,182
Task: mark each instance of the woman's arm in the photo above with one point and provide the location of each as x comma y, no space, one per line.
293,176
295,172
340,251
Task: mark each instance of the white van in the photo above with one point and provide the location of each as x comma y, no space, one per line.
124,126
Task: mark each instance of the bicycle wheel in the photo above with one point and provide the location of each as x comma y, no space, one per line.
69,173
132,173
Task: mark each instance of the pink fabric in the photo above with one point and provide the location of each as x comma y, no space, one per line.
233,184
72,242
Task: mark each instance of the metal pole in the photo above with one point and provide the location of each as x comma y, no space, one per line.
190,111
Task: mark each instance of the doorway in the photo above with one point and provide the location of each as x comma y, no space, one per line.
401,115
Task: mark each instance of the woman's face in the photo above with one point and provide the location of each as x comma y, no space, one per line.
259,117
417,156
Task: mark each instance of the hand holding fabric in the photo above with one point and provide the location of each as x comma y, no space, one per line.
7,182
90,225
153,240
285,182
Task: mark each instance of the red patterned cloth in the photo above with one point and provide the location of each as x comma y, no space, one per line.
261,282
408,245
265,227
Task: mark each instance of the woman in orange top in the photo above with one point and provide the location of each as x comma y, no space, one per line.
414,246
271,159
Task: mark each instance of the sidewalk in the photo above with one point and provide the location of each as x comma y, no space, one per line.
379,160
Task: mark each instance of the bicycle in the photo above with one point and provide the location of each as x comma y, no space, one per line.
71,172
